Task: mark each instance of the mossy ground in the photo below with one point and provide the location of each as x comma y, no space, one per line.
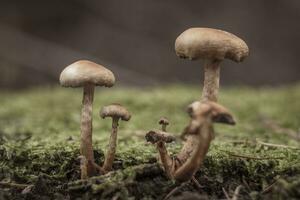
39,133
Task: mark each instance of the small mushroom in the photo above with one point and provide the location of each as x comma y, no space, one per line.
213,46
87,74
160,138
116,112
199,133
164,122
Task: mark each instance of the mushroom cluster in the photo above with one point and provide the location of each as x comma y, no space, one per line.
88,74
211,45
197,135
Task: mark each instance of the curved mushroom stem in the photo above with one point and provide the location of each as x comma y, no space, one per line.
110,155
86,146
186,171
211,80
188,148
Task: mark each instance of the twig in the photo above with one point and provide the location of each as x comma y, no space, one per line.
276,145
226,194
236,192
175,190
269,188
256,141
246,185
195,181
16,185
252,157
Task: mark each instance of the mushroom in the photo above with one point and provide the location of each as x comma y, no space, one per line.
160,138
164,122
87,74
199,133
213,46
156,136
116,112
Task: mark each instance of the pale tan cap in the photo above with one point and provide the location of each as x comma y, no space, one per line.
115,110
85,72
208,43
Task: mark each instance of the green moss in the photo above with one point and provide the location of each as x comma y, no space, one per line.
39,133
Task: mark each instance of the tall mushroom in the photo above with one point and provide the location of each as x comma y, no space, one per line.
116,112
213,46
87,74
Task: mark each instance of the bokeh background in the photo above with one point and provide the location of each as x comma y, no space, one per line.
135,39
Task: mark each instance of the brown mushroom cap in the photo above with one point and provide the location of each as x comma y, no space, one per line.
208,43
156,136
84,72
163,121
115,110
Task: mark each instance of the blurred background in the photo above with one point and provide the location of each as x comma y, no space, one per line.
135,39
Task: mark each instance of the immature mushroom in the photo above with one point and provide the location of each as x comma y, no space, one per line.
116,112
160,138
213,46
164,122
87,74
199,135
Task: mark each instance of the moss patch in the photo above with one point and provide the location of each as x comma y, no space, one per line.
39,132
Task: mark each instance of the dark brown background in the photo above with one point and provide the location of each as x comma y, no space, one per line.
135,38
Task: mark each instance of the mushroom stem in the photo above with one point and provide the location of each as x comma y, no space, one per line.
186,171
211,80
164,127
110,155
165,158
83,167
86,147
188,148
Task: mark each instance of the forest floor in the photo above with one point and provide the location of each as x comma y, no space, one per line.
39,145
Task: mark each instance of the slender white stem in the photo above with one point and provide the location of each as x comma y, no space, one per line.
110,155
86,146
211,80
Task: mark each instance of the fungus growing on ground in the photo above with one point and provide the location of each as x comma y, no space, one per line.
87,74
160,138
198,135
213,46
116,112
164,122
